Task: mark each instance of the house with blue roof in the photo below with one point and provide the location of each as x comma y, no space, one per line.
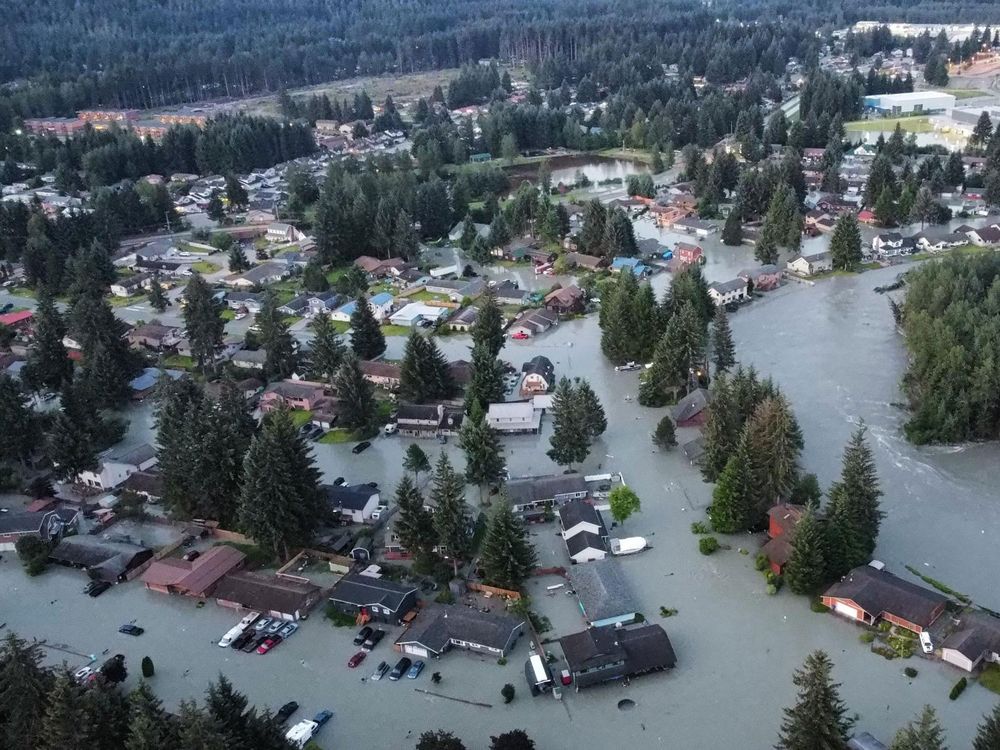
144,383
381,305
636,266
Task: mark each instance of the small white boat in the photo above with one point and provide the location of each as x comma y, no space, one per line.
628,546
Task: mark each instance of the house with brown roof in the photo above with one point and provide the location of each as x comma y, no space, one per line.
566,300
274,596
598,655
383,374
782,520
295,394
154,335
581,260
868,594
198,577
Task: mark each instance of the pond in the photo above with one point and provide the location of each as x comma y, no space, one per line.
565,168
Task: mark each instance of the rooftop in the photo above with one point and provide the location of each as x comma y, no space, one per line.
365,591
436,629
878,591
602,590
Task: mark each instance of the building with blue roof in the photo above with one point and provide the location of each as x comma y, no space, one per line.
144,383
381,305
634,265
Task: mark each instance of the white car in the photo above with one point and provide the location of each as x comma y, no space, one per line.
925,642
390,429
628,367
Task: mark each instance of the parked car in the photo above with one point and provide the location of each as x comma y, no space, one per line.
363,635
338,481
252,643
99,588
262,623
415,670
360,446
192,555
287,630
269,644
131,630
372,641
400,669
323,716
243,638
926,643
519,336
356,659
628,367
283,713
275,626
380,671
83,675
565,677
390,429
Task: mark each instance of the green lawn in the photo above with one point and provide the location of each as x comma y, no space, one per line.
23,291
966,93
290,320
341,327
630,154
179,361
391,330
203,266
116,301
337,436
425,296
228,314
300,417
990,678
909,124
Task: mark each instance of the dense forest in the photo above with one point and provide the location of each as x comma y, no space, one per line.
951,318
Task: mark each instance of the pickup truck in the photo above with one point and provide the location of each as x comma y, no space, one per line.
300,734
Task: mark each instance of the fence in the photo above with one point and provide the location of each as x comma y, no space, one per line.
507,593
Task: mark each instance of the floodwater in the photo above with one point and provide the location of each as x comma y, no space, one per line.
565,168
833,350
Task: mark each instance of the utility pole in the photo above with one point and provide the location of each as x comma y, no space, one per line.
166,215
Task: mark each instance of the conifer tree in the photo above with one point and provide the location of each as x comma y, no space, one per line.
845,243
487,331
988,736
570,439
275,339
507,556
592,412
367,339
484,460
734,498
20,434
60,725
665,435
486,379
854,513
732,230
818,720
416,461
24,689
147,724
595,219
424,374
806,568
451,517
326,350
358,408
925,733
776,442
203,321
469,234
48,365
157,297
415,524
723,349
668,373
885,208
73,443
619,236
236,259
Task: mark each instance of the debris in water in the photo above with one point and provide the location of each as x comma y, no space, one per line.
626,704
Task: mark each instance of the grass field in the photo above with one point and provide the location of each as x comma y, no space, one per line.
990,678
909,124
179,361
203,266
228,314
630,154
300,417
967,93
391,330
337,436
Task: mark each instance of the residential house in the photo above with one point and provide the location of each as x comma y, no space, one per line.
667,216
250,301
531,496
380,304
809,265
782,520
514,417
154,335
129,285
598,655
146,484
695,226
281,232
456,289
418,313
273,596
48,525
461,372
814,217
103,560
378,268
373,599
539,376
198,577
508,293
115,468
727,292
20,321
354,503
692,409
383,374
534,322
311,304
145,382
428,420
440,629
938,239
762,279
868,594
985,236
566,300
482,230
249,359
583,531
688,254
587,262
172,268
464,319
866,217
604,594
295,394
265,273
651,247
976,641
636,266
887,244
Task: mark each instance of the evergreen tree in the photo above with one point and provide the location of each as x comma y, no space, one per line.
499,231
276,341
484,460
424,375
227,707
845,243
60,725
766,248
237,261
157,297
776,442
734,498
885,208
486,384
656,164
507,556
415,460
487,331
203,321
280,504
723,350
818,720
72,445
180,418
326,352
924,205
24,688
516,739
806,568
619,236
732,230
923,734
854,513
20,435
223,441
469,234
48,365
313,278
595,217
595,422
196,730
665,435
981,136
570,439
439,740
358,408
415,524
147,724
988,736
215,210
451,516
367,339
236,194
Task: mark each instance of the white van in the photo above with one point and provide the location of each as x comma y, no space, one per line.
925,642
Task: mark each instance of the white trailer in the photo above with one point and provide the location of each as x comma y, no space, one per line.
628,546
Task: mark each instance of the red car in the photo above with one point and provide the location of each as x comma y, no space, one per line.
269,644
566,678
356,659
519,336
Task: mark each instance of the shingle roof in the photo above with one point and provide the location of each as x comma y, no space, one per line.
878,591
197,576
583,541
691,405
540,366
643,647
435,631
579,511
722,287
534,489
602,590
349,497
267,593
979,633
365,591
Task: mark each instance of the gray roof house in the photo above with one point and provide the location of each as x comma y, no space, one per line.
378,598
49,525
353,502
584,531
438,630
103,560
604,594
976,640
311,304
692,409
598,655
528,494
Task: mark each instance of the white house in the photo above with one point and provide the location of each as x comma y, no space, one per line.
115,469
808,265
354,503
129,285
280,232
725,292
583,531
983,236
265,273
515,417
887,244
415,312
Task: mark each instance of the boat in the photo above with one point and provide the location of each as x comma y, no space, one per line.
628,546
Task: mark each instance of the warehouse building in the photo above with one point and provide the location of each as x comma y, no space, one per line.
914,103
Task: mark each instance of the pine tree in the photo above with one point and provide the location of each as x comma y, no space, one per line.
665,435
280,504
807,566
414,524
237,260
157,297
988,736
818,720
358,408
326,350
275,339
723,349
732,230
147,724
507,556
416,461
227,707
236,194
48,365
776,442
669,371
854,514
24,688
108,370
487,331
72,446
619,236
367,339
203,321
570,439
595,217
179,420
486,380
196,730
923,734
215,210
594,420
469,234
656,164
734,498
451,518
60,725
222,441
885,208
845,243
484,460
424,375
21,433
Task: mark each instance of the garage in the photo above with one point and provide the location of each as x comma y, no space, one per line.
847,611
414,650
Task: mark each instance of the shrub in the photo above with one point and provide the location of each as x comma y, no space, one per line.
507,691
958,689
866,637
666,612
34,553
772,589
502,661
816,605
147,667
884,627
337,618
910,672
445,596
700,527
707,545
885,651
761,562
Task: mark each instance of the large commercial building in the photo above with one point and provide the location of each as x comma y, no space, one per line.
916,102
